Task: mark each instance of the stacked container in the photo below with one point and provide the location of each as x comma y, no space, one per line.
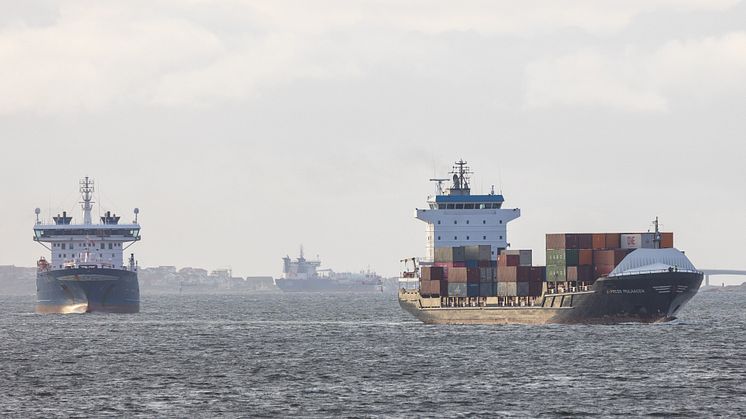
516,276
586,257
462,271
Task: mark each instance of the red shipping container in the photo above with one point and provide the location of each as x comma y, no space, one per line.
585,241
509,260
585,257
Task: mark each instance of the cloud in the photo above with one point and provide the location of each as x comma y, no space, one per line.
637,80
83,56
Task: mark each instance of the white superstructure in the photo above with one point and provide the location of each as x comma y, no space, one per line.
455,217
87,244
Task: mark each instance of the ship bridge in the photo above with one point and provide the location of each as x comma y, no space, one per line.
455,217
87,244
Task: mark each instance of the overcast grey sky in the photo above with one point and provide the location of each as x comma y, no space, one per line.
244,128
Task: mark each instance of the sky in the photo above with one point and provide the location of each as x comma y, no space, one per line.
243,129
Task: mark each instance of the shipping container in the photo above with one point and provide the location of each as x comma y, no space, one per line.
432,273
457,289
449,254
538,273
613,240
506,289
464,275
433,288
472,263
525,256
482,252
585,274
610,257
487,275
556,273
509,260
666,240
637,241
562,241
521,288
572,273
514,273
564,257
585,257
585,241
599,241
487,289
535,288
472,290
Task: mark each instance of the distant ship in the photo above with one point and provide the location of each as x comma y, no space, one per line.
302,275
470,277
86,271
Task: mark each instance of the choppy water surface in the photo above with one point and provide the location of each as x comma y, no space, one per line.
313,355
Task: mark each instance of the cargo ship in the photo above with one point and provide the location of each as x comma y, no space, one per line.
303,275
470,275
86,271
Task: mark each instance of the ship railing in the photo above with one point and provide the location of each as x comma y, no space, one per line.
655,271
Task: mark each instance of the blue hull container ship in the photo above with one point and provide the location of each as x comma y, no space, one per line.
86,271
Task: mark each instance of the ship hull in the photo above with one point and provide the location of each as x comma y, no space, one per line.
87,290
326,285
645,298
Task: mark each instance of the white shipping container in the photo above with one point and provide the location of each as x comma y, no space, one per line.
631,241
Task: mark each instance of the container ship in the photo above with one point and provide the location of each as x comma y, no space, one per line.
470,276
86,271
303,275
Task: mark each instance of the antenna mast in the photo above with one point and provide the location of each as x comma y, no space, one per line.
657,237
86,190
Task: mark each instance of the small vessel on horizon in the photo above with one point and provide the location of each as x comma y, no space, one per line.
86,271
303,275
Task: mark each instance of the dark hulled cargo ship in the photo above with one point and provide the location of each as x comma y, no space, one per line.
86,271
469,276
303,275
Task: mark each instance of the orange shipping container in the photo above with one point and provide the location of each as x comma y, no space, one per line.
666,240
599,241
613,240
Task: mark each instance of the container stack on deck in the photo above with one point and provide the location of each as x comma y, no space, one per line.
516,277
463,271
572,259
582,258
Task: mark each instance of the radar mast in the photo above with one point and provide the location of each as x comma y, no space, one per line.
86,191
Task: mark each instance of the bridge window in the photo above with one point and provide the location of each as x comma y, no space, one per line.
103,245
455,222
110,246
455,237
450,206
63,246
468,206
484,237
438,221
467,237
438,237
467,221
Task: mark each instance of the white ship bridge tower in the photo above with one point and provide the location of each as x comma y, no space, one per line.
87,245
455,217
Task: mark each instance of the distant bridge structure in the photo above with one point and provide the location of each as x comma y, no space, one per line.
731,272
